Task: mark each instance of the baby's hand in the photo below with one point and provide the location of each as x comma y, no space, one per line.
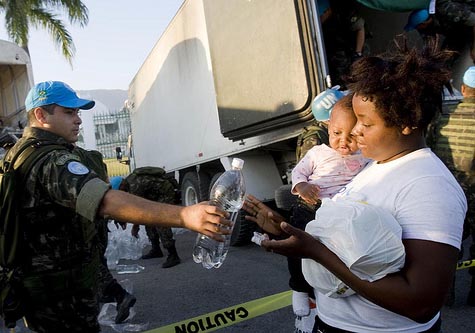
308,192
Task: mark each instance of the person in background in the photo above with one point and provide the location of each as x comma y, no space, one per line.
344,34
321,173
395,98
454,142
152,184
59,208
455,20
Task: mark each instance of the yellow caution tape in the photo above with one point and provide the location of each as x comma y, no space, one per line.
466,264
229,316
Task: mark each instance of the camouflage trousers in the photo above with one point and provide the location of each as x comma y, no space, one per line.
76,313
61,302
165,234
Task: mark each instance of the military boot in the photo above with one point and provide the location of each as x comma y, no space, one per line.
155,252
124,304
172,259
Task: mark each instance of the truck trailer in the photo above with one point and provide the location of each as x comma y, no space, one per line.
16,79
235,78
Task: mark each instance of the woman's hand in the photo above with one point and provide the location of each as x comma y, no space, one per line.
299,244
266,218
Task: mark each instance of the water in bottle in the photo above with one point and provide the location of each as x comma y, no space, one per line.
228,193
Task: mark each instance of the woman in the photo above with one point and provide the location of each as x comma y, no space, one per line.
394,100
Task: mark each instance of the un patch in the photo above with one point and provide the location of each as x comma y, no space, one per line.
77,168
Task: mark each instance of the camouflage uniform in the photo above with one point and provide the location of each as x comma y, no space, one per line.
58,207
455,20
109,289
153,184
453,140
339,33
456,12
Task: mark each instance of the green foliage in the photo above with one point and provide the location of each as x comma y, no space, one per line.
20,15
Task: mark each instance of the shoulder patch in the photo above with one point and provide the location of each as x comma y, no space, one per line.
77,168
67,157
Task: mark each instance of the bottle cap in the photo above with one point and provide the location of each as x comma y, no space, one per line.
237,163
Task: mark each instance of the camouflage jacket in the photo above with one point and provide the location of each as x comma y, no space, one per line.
58,205
151,183
452,13
453,140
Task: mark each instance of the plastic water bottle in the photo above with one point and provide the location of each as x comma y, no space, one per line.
227,193
129,269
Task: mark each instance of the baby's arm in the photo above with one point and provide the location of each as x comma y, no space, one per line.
308,192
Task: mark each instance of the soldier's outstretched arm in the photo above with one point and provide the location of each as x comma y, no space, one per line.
203,218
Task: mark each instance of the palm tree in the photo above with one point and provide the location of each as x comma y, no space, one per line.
20,15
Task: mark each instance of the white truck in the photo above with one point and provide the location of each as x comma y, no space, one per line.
16,79
234,78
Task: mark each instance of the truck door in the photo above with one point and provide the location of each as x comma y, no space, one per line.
267,65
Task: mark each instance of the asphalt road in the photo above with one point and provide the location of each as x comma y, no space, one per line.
167,296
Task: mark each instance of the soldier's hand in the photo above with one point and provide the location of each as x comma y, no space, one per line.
206,219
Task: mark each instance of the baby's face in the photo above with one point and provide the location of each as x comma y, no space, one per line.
341,123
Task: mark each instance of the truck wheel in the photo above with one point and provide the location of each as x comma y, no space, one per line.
243,230
284,199
194,188
213,180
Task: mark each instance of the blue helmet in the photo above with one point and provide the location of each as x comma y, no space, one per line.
115,182
415,18
323,104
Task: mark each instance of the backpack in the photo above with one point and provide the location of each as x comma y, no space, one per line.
153,183
312,135
13,171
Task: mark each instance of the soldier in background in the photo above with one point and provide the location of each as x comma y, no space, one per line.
152,183
453,19
453,140
344,35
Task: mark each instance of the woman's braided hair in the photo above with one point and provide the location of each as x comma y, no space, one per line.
406,85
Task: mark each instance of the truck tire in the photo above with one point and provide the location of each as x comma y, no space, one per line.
243,229
213,180
194,188
284,199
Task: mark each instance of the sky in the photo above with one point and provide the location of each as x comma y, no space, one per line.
109,50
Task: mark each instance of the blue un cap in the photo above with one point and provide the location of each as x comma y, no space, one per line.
323,104
55,92
416,18
469,77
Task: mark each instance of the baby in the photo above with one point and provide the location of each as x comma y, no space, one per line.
322,172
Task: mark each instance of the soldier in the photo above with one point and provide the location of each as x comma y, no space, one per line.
454,19
454,142
59,208
152,183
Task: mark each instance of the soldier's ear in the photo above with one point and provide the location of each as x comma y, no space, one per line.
40,115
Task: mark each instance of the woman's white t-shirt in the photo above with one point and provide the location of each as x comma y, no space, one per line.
429,204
